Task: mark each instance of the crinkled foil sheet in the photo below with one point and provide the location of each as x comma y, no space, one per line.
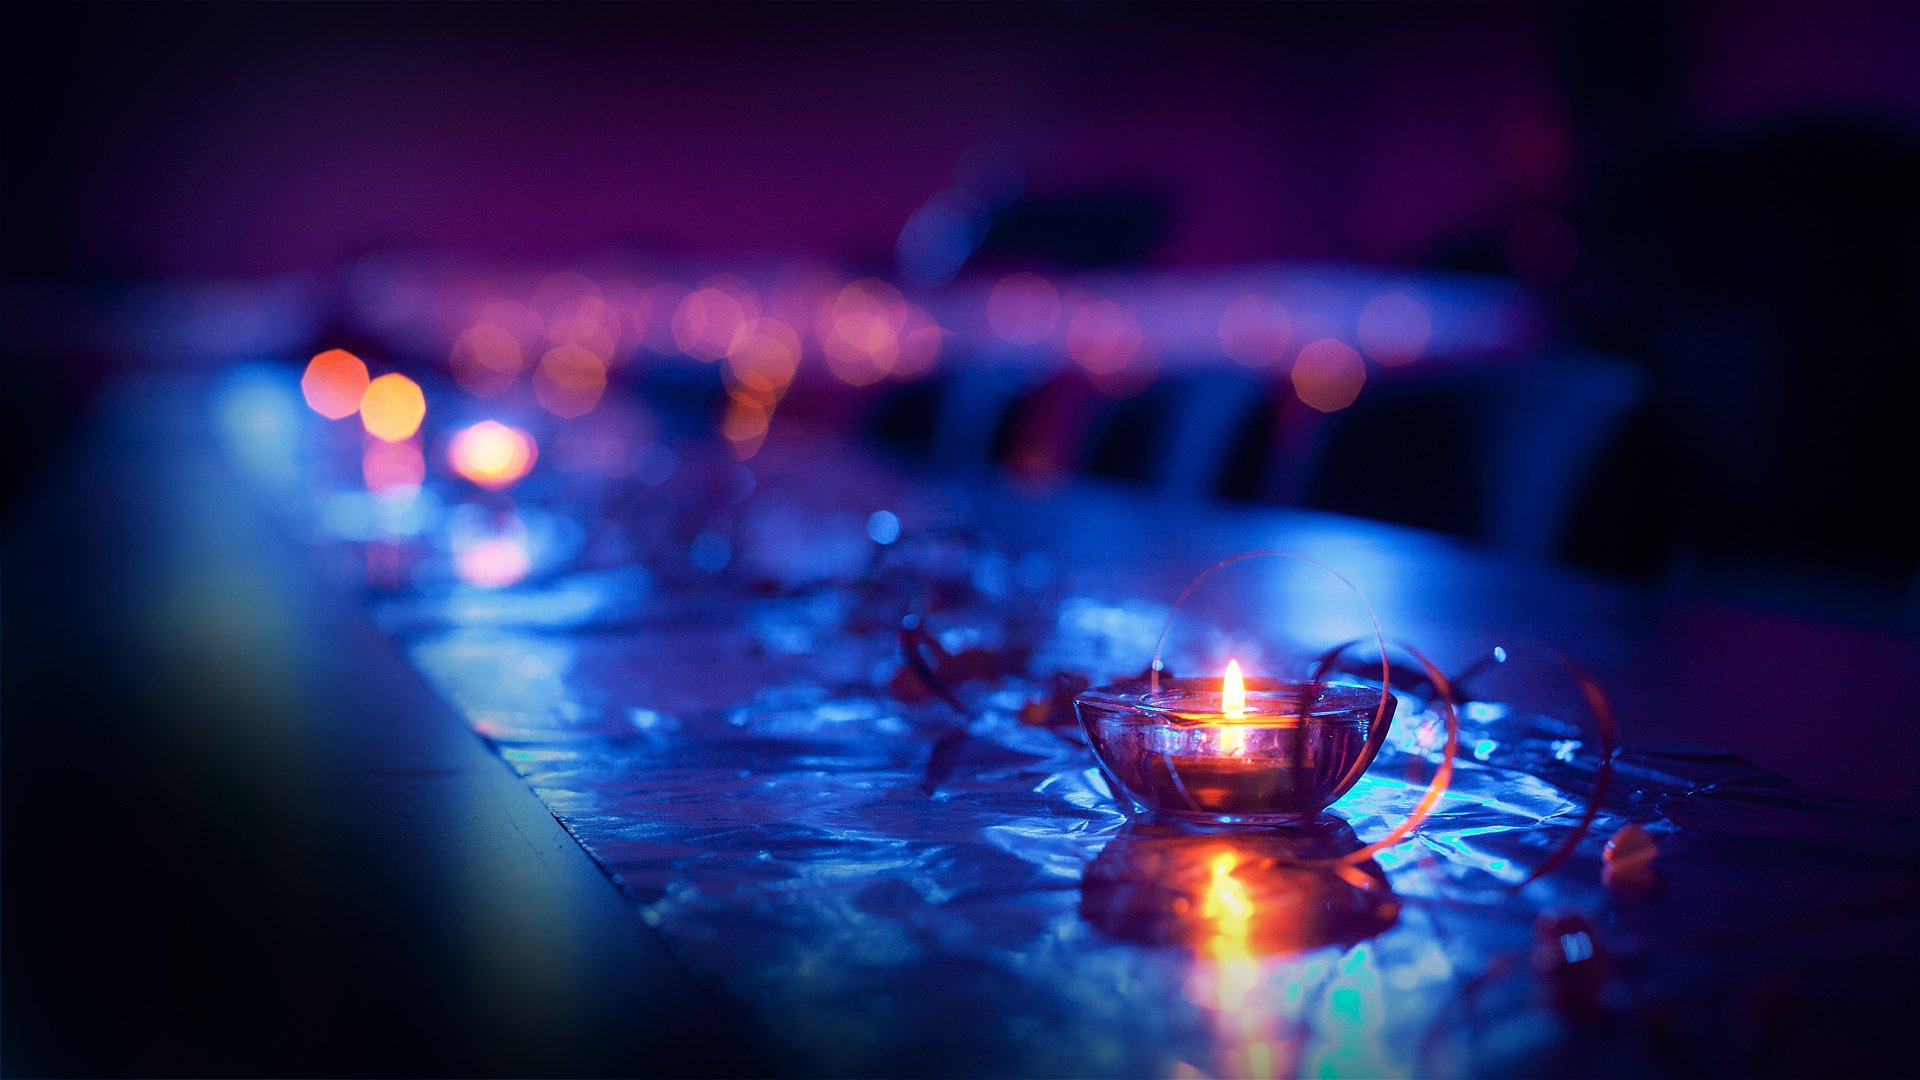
736,750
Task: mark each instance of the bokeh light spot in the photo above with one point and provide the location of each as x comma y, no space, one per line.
709,319
745,423
859,330
588,321
495,557
334,383
393,407
764,358
1256,330
1023,308
569,381
393,468
492,455
920,341
1103,337
710,552
1328,375
486,359
883,527
1394,328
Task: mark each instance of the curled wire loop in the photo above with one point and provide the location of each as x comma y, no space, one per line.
1609,737
1437,785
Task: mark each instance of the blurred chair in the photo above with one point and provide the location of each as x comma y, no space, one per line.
1049,433
1179,436
953,420
1501,454
1212,408
1176,436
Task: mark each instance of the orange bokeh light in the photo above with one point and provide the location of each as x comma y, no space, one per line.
492,455
588,321
1023,308
1328,375
764,358
393,407
334,383
1256,330
746,422
709,319
859,330
569,381
486,359
573,309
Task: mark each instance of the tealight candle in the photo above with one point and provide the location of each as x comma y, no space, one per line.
1236,750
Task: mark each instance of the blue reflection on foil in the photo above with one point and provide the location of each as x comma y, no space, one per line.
735,747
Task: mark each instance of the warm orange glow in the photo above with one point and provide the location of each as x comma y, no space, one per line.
1233,973
588,321
919,344
746,422
393,468
569,381
1232,739
1226,906
393,407
492,454
763,358
334,383
1227,913
486,359
1233,691
859,330
1328,375
710,319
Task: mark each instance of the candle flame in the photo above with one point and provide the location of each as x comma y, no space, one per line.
1233,692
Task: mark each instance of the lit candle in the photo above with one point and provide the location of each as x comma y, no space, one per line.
1236,750
1233,706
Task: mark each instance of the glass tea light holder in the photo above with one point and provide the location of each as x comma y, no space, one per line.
1261,748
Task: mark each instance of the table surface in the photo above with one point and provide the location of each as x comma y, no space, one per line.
1824,704
348,880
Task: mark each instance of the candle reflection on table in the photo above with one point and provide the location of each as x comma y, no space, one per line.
1245,907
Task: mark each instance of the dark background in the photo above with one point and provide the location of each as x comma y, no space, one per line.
1720,193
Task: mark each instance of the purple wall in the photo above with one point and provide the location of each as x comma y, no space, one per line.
238,140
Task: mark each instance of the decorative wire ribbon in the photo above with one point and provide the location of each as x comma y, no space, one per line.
916,643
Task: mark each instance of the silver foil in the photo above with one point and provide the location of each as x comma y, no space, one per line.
726,726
